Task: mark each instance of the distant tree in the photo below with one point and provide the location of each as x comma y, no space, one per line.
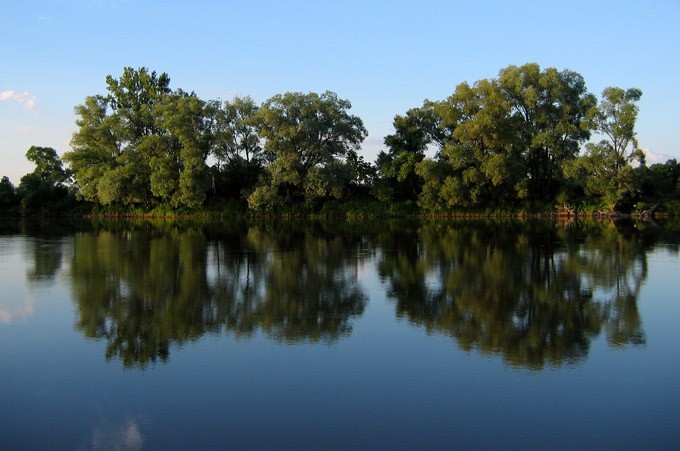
43,191
237,136
660,180
48,165
8,196
308,139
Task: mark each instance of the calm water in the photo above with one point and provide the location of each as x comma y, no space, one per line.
297,335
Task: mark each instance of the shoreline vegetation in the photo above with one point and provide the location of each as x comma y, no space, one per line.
530,143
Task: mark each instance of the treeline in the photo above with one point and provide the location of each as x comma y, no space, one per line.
521,141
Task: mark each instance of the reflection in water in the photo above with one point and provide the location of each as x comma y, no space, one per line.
121,435
143,289
11,313
534,293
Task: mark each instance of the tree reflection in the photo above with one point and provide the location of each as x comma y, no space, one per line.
534,293
143,289
48,244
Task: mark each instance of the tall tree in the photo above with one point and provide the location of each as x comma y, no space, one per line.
552,110
96,145
110,159
192,122
133,97
615,118
306,137
237,132
143,144
237,149
607,163
506,139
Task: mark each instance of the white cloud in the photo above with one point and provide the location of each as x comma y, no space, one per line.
652,158
22,98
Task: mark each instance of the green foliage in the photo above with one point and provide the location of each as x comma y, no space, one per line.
661,180
606,167
397,177
308,137
504,144
48,165
530,292
44,191
505,140
143,144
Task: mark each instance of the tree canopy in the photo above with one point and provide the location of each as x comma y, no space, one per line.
518,141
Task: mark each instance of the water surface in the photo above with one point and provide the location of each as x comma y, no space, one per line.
301,335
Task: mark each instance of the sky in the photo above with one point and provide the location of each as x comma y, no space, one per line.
385,57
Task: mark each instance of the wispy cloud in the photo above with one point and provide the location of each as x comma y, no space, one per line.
652,157
24,99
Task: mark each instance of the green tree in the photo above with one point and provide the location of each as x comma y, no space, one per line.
48,165
96,145
238,148
43,191
608,162
484,162
506,140
660,180
143,144
306,136
397,178
109,158
133,97
237,136
192,123
552,110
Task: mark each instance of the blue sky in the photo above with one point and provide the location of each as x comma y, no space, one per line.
383,56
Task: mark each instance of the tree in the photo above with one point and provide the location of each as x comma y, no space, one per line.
133,97
143,144
8,196
192,123
481,153
397,176
608,162
43,190
238,148
48,165
39,197
237,136
96,145
306,136
109,158
500,140
615,118
552,112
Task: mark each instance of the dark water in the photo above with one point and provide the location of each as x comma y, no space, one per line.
298,335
